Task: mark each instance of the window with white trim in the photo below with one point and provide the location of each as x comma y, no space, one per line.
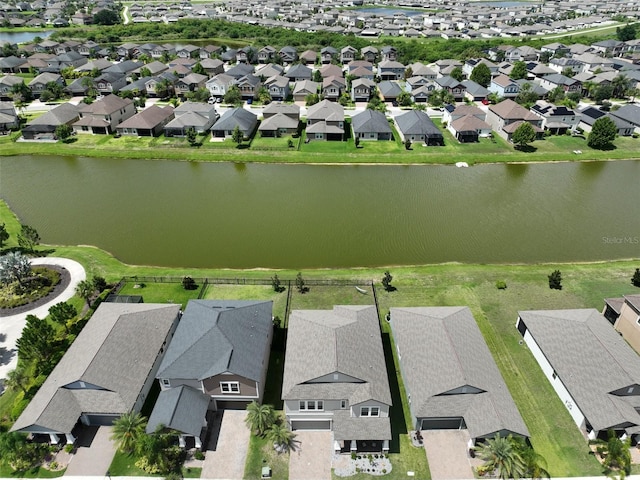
369,411
166,382
229,387
311,405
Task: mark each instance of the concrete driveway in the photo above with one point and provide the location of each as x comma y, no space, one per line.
448,454
312,458
11,326
227,447
94,453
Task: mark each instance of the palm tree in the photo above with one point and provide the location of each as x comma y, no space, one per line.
501,455
281,436
17,379
620,85
85,290
534,463
260,417
128,430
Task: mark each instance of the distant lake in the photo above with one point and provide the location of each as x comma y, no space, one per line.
23,37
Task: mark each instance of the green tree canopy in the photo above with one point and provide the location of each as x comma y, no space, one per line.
106,17
519,71
233,96
28,237
260,417
502,456
128,430
62,312
603,133
14,267
481,74
36,341
626,33
523,135
63,131
4,234
457,74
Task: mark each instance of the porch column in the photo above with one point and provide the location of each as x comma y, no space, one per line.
70,438
385,445
354,446
198,443
54,439
181,442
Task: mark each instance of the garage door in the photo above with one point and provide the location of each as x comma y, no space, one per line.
102,420
231,405
443,424
311,425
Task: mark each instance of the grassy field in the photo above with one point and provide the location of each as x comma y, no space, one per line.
7,472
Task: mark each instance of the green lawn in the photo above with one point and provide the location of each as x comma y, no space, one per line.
261,454
160,292
249,292
39,472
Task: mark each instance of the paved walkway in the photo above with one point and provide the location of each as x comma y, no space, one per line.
94,453
11,326
447,453
312,458
227,448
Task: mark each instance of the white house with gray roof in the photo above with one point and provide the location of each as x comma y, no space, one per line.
221,349
593,370
107,372
450,377
335,377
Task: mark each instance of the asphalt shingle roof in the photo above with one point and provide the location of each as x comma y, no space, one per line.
182,408
370,121
415,122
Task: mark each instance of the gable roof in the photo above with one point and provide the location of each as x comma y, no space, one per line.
416,122
442,350
628,113
592,360
508,109
61,114
326,110
107,355
236,117
106,105
345,340
148,118
218,336
370,121
182,409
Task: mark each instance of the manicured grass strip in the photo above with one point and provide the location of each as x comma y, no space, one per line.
160,292
123,465
39,472
262,454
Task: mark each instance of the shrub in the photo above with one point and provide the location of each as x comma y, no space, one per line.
635,280
198,455
68,448
189,283
501,284
353,455
555,280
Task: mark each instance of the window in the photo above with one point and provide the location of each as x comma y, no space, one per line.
230,387
369,411
343,404
311,405
166,382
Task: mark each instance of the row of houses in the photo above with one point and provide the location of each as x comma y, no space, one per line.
214,356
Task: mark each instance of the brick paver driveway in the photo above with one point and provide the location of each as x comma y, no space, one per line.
448,454
312,458
227,447
93,454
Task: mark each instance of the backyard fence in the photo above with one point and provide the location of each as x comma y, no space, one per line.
244,281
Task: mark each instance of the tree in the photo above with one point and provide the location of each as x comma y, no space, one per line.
85,290
197,68
376,104
17,379
311,99
300,283
260,417
526,96
99,283
602,134
620,84
127,431
237,136
63,312
199,95
281,436
14,267
233,96
275,283
626,33
556,95
189,283
19,454
535,465
4,234
35,343
192,136
63,132
500,454
317,76
386,281
519,71
52,91
481,74
28,237
106,17
264,96
616,455
523,135
555,280
602,93
407,144
154,452
456,74
635,280
404,99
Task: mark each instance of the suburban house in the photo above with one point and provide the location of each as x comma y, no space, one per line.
232,118
590,366
219,353
371,125
39,83
44,126
266,54
362,89
335,377
557,119
503,86
347,54
8,117
624,314
199,116
474,91
278,87
303,88
588,116
288,54
415,125
390,70
150,122
220,84
106,372
7,84
308,57
468,124
325,121
280,119
249,86
630,114
333,87
107,83
370,54
450,377
328,54
190,83
567,84
102,116
453,86
330,70
389,90
298,73
506,116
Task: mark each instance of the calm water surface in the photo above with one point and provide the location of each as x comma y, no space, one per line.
303,216
23,37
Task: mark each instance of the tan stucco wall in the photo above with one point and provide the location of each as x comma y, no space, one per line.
627,324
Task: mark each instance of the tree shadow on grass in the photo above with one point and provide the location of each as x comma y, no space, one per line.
526,148
606,148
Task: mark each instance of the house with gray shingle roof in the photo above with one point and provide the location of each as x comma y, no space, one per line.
590,366
44,127
415,125
232,118
199,116
624,314
149,122
325,121
221,349
371,125
106,372
102,116
450,377
335,376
